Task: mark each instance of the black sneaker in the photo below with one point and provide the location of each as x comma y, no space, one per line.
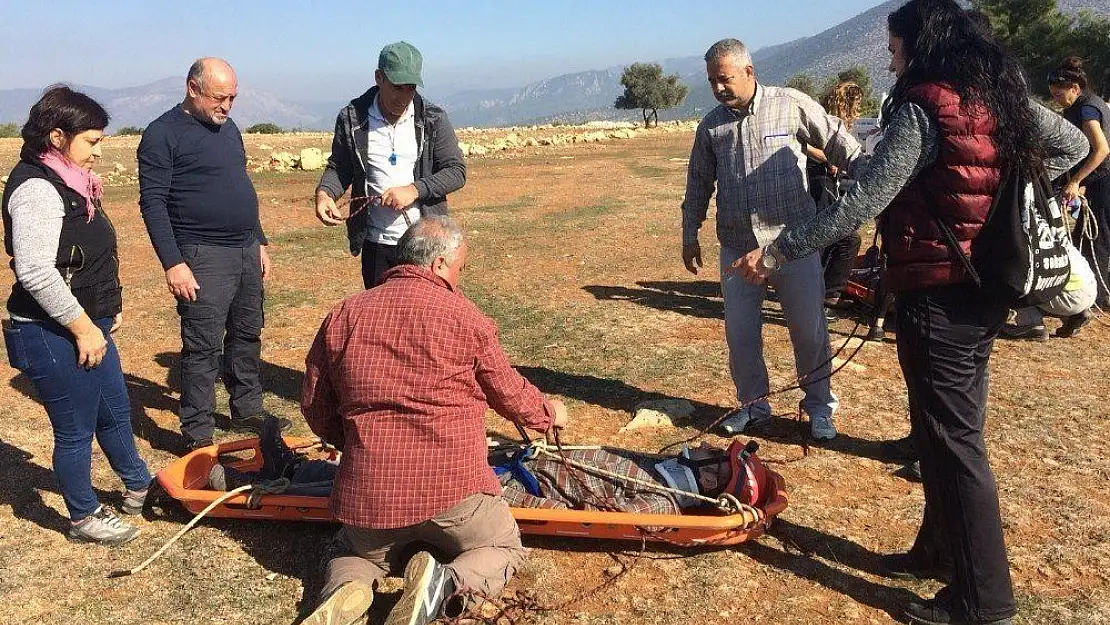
428,586
198,444
1073,324
253,424
936,611
910,566
1024,333
900,449
346,605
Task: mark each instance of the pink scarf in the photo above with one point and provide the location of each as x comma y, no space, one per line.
77,178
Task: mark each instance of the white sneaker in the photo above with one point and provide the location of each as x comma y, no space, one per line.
741,418
102,527
346,605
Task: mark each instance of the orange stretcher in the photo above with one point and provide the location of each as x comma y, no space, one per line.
185,481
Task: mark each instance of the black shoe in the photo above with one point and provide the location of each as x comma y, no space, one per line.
253,424
1073,324
1024,333
910,472
428,587
935,611
900,449
193,445
277,458
876,333
910,566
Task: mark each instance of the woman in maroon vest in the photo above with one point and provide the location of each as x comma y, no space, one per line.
958,115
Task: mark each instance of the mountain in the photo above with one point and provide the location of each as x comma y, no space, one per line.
138,106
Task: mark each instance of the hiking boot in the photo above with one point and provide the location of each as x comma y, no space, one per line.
821,427
224,478
1024,333
876,333
102,527
741,418
1073,324
200,443
254,423
134,501
910,472
910,566
900,449
346,605
428,586
277,458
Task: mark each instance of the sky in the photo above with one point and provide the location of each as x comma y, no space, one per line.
307,50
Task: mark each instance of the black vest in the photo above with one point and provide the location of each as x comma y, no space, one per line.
87,255
1072,115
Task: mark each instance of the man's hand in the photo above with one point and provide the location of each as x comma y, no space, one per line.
400,198
561,416
750,267
691,257
267,266
181,282
326,210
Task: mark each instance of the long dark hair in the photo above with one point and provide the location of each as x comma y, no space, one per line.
942,44
60,107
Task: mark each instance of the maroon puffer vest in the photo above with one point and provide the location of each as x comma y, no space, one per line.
962,181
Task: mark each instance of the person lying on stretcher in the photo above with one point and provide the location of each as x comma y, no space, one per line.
640,484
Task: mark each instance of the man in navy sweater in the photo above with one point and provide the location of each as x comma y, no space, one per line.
201,212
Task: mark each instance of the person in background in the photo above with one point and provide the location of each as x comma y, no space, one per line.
958,115
66,303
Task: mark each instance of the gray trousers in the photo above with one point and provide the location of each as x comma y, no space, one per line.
801,291
478,536
225,321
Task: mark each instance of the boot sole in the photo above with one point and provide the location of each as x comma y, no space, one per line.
348,604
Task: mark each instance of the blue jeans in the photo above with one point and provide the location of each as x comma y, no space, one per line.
80,403
801,291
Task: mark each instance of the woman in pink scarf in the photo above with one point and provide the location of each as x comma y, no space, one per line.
65,304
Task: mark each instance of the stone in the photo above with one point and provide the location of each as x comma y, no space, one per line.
659,413
477,150
280,160
311,159
264,147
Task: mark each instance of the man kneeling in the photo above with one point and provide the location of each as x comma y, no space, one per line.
399,379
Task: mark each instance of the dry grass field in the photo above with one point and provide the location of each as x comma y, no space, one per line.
575,253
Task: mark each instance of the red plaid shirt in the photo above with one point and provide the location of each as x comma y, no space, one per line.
399,378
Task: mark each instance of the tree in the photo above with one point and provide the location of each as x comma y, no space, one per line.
803,83
129,131
857,74
1040,35
265,128
647,89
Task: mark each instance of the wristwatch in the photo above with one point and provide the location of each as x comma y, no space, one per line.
769,261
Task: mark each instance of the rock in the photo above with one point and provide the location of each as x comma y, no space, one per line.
3,180
119,168
280,160
530,142
311,159
623,133
477,150
264,147
464,148
659,413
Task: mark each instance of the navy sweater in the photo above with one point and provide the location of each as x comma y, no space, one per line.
194,187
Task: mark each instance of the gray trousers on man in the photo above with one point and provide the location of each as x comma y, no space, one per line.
226,320
478,538
801,291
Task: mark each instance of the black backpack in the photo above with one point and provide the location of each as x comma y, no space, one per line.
1021,252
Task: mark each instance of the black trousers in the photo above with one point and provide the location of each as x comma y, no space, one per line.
226,320
945,336
838,259
1097,252
377,258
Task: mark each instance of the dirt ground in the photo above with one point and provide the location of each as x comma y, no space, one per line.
575,252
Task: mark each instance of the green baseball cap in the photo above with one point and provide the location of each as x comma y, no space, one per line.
400,62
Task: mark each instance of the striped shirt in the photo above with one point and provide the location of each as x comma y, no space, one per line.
756,159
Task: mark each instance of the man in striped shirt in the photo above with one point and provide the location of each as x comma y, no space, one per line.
751,148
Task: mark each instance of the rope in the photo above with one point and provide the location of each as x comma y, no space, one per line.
200,515
1088,234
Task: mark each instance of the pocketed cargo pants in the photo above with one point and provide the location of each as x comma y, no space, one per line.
226,320
477,539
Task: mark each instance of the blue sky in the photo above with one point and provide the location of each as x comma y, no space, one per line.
308,49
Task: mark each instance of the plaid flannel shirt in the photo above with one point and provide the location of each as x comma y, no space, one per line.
756,159
399,378
570,487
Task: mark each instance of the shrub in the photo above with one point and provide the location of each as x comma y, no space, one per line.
265,128
129,131
9,130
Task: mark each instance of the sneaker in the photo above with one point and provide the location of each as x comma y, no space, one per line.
909,566
821,427
134,501
1073,324
876,333
253,424
200,443
937,611
1023,333
900,449
103,528
910,472
739,419
346,605
428,585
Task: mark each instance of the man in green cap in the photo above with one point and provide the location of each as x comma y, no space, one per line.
399,157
